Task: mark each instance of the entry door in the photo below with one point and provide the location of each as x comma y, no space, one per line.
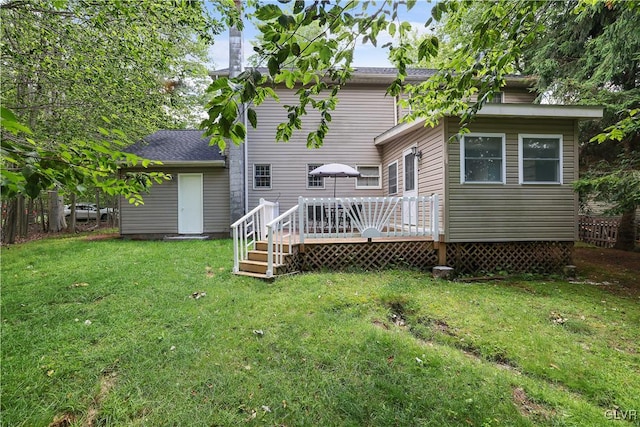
190,203
410,176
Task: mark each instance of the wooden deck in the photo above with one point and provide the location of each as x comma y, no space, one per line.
346,253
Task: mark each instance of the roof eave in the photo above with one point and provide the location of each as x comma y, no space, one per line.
183,163
538,111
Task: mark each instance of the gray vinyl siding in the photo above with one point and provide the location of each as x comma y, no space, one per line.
512,212
159,214
362,113
430,168
518,96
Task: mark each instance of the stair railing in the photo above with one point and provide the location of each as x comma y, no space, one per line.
281,235
250,229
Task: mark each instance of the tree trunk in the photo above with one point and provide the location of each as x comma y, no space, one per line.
20,214
29,216
10,222
42,217
626,231
97,209
57,221
72,217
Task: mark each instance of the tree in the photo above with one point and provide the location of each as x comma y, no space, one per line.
85,78
486,41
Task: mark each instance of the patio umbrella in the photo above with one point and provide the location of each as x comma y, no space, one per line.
335,170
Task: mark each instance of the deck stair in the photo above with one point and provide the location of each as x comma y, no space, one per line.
256,263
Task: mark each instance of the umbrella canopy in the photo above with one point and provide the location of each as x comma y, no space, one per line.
335,170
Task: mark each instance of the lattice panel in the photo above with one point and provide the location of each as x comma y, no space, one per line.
513,257
292,262
370,256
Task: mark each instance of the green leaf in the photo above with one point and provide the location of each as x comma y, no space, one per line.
252,117
268,12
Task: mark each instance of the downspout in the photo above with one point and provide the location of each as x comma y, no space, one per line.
237,154
246,160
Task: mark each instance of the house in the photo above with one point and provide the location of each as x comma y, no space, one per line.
501,195
195,202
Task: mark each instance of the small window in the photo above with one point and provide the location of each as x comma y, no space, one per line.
314,182
369,177
261,176
392,179
498,98
482,158
540,159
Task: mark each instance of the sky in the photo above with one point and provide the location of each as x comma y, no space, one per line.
365,55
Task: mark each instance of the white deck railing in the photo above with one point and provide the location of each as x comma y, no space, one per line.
369,217
250,229
336,218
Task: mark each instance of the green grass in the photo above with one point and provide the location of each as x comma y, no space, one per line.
106,332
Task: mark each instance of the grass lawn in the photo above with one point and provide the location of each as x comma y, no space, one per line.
110,333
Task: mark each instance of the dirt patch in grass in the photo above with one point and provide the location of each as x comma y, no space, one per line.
529,408
614,270
107,382
64,420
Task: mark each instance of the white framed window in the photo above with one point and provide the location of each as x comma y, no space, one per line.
482,158
540,159
261,177
369,177
392,178
314,182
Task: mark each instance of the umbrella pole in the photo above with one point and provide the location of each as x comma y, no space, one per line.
335,179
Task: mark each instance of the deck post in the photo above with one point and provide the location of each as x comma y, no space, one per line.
301,217
442,252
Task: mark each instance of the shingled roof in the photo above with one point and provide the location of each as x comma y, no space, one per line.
177,146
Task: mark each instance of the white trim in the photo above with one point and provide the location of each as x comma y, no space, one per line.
188,163
521,137
463,165
370,187
388,176
308,176
541,111
253,176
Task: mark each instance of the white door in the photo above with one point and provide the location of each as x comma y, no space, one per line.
190,203
410,185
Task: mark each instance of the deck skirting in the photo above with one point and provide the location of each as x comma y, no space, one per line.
465,258
510,257
377,255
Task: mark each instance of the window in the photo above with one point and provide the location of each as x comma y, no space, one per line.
261,176
498,98
392,179
369,177
410,180
314,182
482,158
540,159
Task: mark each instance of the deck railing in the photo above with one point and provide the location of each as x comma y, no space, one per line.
250,229
369,217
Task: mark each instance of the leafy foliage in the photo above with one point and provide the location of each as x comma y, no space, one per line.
31,167
82,75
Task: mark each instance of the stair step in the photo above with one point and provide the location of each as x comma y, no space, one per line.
254,275
258,255
253,266
264,246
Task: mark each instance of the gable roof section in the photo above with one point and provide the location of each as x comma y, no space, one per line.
580,112
179,148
